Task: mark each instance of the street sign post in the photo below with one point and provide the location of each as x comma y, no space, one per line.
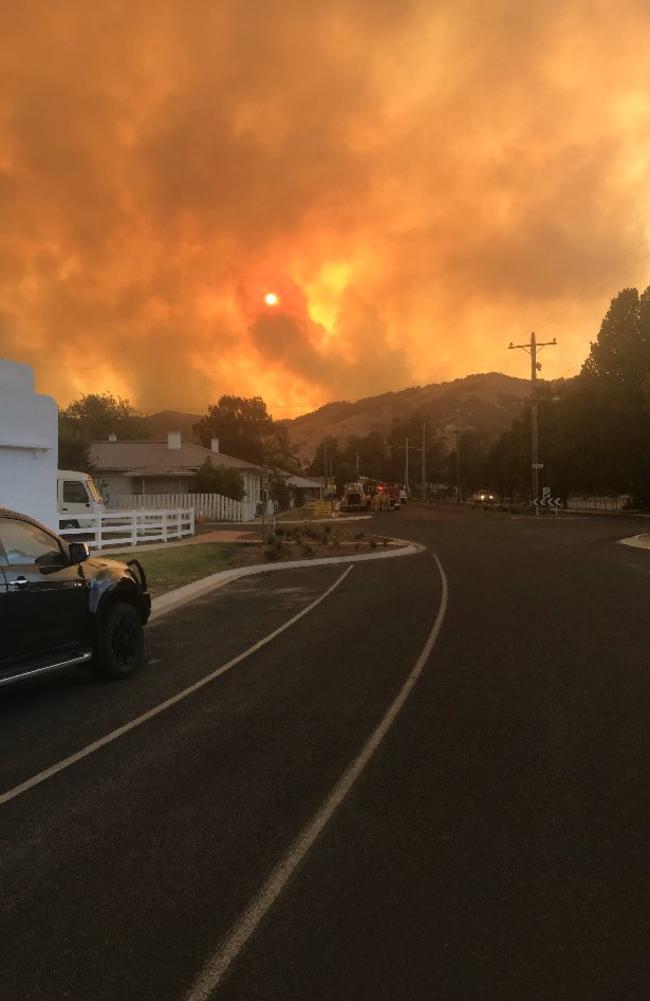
547,501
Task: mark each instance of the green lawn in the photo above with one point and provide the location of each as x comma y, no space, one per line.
172,568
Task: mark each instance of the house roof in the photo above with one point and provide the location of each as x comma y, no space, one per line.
158,459
301,482
155,471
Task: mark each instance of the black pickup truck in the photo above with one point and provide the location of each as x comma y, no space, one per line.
60,606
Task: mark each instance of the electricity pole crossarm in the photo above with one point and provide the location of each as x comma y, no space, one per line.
532,347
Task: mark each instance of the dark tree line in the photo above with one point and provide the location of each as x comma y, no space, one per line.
246,430
595,428
93,417
243,426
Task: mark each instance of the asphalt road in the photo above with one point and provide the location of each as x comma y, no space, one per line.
493,843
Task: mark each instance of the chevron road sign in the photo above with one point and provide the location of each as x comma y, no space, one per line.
547,501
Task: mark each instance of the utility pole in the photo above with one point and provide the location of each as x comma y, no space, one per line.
424,461
532,347
458,476
406,467
356,459
325,468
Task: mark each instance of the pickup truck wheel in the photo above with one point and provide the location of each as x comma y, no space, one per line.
120,644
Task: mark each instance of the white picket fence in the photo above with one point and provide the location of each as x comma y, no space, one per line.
128,528
597,503
209,507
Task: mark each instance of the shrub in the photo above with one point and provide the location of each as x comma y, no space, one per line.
274,550
213,479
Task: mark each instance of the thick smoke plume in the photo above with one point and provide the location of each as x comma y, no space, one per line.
418,184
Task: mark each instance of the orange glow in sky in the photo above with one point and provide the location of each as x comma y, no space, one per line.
315,201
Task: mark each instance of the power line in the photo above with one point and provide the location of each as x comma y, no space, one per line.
531,348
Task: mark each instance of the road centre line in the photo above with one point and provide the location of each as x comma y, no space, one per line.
96,745
218,964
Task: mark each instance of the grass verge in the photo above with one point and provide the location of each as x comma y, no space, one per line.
168,569
172,568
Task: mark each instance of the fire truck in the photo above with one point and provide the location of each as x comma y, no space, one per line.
354,497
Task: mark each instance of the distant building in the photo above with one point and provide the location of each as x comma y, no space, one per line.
301,488
28,445
140,468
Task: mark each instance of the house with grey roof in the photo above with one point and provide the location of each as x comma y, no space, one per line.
302,489
141,468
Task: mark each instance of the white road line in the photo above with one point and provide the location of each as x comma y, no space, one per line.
217,965
47,773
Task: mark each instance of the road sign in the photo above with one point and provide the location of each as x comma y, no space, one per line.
547,501
538,465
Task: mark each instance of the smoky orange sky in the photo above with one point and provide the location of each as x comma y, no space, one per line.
417,182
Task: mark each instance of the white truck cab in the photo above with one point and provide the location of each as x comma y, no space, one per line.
77,496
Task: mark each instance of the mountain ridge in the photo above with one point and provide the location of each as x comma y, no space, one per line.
486,402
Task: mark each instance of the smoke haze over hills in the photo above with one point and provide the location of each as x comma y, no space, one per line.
417,183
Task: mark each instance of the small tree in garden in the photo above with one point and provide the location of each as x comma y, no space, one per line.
210,479
280,492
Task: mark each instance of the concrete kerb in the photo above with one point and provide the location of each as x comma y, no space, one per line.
198,588
320,521
637,541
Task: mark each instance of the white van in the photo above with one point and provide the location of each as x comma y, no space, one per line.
77,495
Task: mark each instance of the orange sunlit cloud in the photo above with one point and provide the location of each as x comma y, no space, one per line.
315,201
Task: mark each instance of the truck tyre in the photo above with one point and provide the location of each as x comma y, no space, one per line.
120,642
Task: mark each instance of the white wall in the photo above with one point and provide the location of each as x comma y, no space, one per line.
28,445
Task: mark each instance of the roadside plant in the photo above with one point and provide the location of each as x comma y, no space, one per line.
274,551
